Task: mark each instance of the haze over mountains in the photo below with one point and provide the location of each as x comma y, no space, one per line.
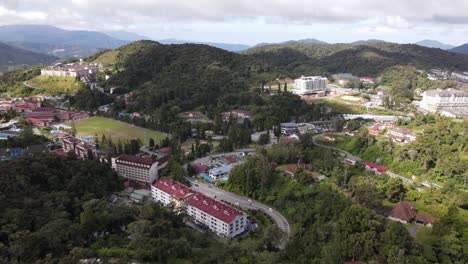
63,44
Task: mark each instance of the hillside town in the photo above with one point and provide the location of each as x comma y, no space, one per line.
116,148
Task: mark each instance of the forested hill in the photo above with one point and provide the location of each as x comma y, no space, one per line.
189,74
11,56
368,59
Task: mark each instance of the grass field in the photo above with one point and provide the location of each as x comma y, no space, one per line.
115,129
107,57
56,85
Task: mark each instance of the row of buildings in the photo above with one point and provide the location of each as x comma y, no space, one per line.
449,102
220,218
396,134
83,149
71,70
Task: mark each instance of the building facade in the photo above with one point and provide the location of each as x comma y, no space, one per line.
401,135
309,85
170,193
218,217
435,100
143,170
81,148
71,70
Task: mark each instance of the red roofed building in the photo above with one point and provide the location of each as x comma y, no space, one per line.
374,130
231,159
199,168
375,168
218,217
237,114
82,149
405,212
143,170
292,169
168,192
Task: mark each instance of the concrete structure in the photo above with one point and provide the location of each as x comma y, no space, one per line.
237,114
170,193
444,100
218,217
460,76
309,85
401,135
143,170
378,118
220,172
82,149
70,70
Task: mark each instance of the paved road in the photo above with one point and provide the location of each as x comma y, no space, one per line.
389,173
30,86
243,202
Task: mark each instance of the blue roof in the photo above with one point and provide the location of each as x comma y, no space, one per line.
221,170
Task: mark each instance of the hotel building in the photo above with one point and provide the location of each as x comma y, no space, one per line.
143,170
309,85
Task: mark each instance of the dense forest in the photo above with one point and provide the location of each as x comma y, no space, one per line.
370,59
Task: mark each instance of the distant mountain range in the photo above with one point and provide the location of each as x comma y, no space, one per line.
461,49
12,57
434,44
300,41
127,36
224,46
57,42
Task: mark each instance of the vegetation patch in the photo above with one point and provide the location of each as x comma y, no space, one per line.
56,85
115,129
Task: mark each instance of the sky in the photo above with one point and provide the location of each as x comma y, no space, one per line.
253,21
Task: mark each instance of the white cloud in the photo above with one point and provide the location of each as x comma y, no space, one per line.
370,16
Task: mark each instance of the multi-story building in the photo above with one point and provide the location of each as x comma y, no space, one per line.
82,149
435,100
218,217
309,85
401,135
460,76
143,170
71,70
170,193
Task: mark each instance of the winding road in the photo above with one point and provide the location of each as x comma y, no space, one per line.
242,202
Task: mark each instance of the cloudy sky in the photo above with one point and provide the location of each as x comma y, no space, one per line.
253,21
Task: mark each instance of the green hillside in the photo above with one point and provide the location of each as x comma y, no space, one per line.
188,75
55,85
369,59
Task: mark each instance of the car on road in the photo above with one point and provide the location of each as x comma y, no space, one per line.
271,210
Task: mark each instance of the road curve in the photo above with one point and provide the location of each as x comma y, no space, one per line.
242,202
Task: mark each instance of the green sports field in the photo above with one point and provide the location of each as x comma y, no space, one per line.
115,129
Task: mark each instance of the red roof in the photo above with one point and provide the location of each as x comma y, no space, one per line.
164,159
404,211
136,159
292,169
214,208
287,140
165,150
231,159
45,109
173,188
199,168
36,121
59,152
378,167
425,218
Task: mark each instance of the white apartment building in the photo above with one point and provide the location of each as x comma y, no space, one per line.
170,193
460,76
143,170
217,173
435,100
309,85
71,70
218,217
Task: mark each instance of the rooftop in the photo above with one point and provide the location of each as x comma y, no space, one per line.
447,93
136,159
214,208
173,188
